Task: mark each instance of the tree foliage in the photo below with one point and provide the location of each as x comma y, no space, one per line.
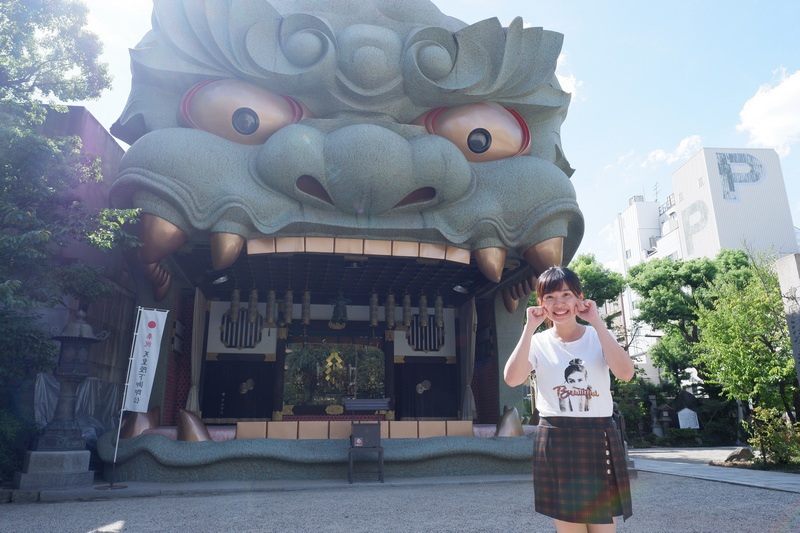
744,342
599,283
47,55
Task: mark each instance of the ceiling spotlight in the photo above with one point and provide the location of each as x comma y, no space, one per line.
461,289
220,280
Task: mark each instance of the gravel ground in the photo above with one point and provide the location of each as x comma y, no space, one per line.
661,503
699,456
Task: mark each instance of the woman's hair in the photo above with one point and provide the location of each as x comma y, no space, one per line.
553,278
576,365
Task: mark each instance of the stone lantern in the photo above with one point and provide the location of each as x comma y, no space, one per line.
60,458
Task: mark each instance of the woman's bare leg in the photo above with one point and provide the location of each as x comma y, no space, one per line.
570,527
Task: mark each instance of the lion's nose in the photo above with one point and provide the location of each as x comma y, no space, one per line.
364,169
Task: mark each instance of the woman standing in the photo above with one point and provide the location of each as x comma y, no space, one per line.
580,473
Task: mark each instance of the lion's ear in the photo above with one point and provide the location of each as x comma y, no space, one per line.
131,130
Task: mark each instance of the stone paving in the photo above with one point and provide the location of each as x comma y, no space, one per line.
675,491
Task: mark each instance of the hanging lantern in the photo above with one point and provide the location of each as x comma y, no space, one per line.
423,310
407,310
373,309
270,309
233,312
306,309
390,305
439,312
252,307
288,301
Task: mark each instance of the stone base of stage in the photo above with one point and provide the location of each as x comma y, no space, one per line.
158,458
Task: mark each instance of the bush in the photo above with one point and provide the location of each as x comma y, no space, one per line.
778,441
15,435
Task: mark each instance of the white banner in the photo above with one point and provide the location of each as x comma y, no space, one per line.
144,359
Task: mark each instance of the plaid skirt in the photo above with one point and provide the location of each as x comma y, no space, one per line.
580,473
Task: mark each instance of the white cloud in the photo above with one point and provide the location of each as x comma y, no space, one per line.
685,149
620,160
569,83
772,115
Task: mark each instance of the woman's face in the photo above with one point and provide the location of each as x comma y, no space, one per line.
576,378
559,306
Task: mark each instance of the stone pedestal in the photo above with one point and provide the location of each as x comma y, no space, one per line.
54,470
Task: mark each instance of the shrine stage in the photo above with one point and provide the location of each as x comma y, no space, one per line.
157,458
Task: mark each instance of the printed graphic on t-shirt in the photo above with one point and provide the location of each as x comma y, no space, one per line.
576,392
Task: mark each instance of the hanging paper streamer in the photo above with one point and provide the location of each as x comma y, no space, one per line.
252,307
270,309
373,309
439,312
233,313
390,306
423,310
288,302
407,310
306,310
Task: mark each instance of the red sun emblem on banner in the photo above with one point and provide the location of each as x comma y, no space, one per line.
151,324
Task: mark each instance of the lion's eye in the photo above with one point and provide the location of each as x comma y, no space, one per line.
239,111
483,131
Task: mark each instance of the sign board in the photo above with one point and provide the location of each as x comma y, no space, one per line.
688,419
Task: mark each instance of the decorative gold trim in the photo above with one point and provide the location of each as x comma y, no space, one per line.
334,409
389,335
277,416
399,359
288,410
270,357
212,356
283,333
389,415
450,359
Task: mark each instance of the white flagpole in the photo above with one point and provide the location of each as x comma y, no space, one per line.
131,358
122,406
127,381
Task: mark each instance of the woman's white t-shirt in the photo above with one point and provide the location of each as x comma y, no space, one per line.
572,378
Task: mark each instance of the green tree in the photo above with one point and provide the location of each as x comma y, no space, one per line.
599,283
47,57
46,54
672,292
744,342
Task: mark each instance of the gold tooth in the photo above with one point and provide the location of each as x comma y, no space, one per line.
225,249
159,238
529,284
509,301
490,262
545,254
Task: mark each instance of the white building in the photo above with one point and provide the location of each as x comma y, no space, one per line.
722,199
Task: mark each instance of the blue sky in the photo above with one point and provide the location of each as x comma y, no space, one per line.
652,83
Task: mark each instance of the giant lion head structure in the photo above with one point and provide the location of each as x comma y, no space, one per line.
374,121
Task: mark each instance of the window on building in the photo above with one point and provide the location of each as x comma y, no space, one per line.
628,254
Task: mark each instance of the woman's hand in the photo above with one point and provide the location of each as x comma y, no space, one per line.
587,310
535,315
